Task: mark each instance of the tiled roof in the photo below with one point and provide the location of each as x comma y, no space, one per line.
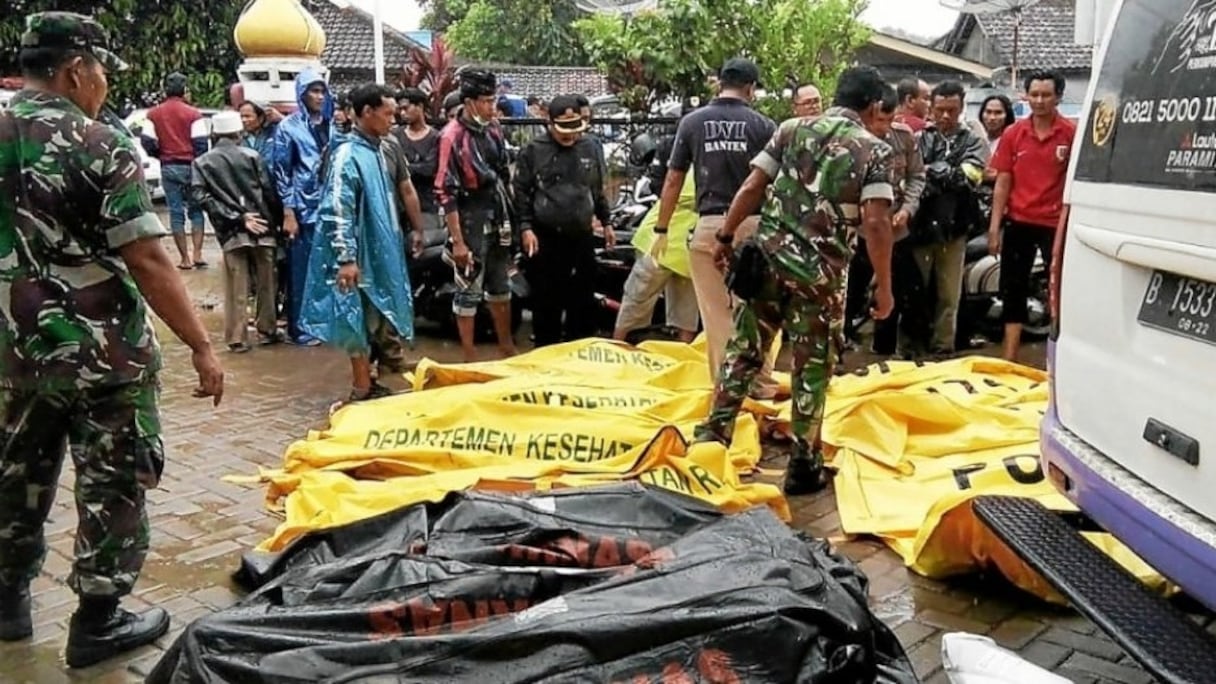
1045,40
349,50
545,81
349,36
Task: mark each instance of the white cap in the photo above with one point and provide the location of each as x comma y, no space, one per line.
226,123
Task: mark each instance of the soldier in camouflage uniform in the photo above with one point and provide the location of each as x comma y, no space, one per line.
79,243
828,177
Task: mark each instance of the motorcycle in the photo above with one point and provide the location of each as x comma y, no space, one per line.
434,286
613,265
980,307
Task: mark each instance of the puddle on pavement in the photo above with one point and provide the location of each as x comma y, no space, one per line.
188,577
895,608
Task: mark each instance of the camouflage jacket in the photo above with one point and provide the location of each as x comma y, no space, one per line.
907,172
72,193
822,169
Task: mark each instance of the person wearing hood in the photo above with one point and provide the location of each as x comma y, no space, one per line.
300,150
559,189
358,292
472,190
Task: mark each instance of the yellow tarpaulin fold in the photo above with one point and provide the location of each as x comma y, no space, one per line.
913,444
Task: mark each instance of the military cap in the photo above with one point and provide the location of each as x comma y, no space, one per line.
476,82
72,31
566,115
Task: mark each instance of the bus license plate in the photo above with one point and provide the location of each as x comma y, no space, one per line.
1183,306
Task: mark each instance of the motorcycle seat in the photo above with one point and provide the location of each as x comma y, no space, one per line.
977,248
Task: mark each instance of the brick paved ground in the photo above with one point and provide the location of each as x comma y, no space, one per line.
201,525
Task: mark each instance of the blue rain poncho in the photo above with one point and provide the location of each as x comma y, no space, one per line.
357,221
299,150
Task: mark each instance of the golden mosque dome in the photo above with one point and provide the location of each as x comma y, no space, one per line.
278,28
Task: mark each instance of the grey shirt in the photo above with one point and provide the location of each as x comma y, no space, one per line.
720,140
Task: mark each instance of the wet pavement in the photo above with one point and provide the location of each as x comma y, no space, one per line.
275,394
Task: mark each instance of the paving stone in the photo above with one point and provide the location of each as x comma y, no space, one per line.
1045,654
1105,669
1101,647
217,597
1016,632
926,657
912,633
210,551
951,623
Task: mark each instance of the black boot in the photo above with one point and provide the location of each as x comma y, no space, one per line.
804,476
15,622
100,630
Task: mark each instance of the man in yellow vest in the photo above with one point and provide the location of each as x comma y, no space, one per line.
659,269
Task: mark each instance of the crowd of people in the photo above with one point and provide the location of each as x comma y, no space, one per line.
762,221
271,184
362,179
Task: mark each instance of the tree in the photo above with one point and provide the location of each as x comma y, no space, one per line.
803,42
432,71
513,31
156,37
671,51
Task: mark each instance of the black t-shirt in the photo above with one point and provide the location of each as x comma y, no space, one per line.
423,158
720,140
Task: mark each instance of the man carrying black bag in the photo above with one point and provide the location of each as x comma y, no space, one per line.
829,177
955,158
559,188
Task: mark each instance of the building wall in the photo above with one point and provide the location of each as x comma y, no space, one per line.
979,49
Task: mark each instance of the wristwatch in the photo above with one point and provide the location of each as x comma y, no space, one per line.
724,239
660,230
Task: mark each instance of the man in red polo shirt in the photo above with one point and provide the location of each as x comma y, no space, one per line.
175,147
1031,163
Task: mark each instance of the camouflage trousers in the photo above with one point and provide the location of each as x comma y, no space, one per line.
113,435
815,326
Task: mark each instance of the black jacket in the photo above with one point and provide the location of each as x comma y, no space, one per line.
954,166
231,181
560,188
657,171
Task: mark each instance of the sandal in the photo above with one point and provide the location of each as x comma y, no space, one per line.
238,347
376,391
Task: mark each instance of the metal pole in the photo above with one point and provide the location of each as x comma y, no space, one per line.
1017,30
378,41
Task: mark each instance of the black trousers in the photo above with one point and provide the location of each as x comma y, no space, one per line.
906,287
1019,242
561,276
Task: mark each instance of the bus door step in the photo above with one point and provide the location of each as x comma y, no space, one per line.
1162,638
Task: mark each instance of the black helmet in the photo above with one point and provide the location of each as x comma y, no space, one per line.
475,82
642,149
